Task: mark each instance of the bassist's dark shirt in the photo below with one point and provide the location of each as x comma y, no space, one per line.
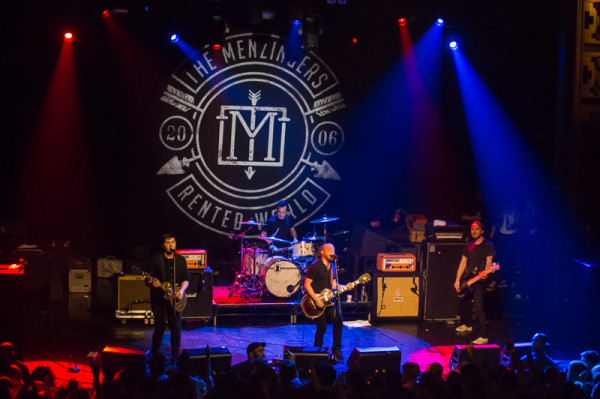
476,256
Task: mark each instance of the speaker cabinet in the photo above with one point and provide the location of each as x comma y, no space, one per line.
115,359
133,294
375,360
441,264
395,295
485,354
194,360
304,356
199,295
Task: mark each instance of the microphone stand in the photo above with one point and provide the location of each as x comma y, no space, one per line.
338,306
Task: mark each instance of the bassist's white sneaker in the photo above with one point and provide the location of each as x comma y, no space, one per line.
480,341
463,328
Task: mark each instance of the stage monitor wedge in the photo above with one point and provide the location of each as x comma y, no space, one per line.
375,360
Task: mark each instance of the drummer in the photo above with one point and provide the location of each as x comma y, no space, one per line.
280,226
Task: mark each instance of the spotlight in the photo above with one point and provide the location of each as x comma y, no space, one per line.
174,38
105,13
402,21
341,2
453,45
439,22
296,22
330,1
68,37
216,46
354,40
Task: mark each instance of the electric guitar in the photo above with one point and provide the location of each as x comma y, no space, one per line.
170,293
309,307
465,286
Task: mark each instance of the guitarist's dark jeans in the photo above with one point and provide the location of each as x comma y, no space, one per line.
163,314
474,302
331,315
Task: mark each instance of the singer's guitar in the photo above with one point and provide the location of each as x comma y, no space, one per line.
465,286
170,292
309,307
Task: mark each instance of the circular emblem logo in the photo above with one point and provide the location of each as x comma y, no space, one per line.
248,126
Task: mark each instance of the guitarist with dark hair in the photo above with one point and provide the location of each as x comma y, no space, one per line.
476,258
320,275
167,269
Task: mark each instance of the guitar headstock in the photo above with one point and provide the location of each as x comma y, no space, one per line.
495,267
137,270
364,278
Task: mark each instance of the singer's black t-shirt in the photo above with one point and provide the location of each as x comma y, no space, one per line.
320,276
162,268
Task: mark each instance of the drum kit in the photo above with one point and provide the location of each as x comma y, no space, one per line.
279,274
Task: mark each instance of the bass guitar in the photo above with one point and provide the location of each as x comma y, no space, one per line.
310,308
465,286
170,292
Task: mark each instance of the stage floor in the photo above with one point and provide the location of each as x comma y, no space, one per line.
63,333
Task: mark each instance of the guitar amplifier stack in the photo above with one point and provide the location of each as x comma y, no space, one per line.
400,262
396,295
133,299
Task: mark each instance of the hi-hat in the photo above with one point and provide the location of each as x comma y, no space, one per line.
274,239
324,219
251,222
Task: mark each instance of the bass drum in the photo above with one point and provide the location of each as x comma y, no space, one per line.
282,277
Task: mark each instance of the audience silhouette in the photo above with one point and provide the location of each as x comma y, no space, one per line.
534,375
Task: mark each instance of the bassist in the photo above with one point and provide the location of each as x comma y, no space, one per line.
477,256
167,266
319,276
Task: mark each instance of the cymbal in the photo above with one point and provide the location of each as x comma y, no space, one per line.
313,238
324,219
251,222
275,239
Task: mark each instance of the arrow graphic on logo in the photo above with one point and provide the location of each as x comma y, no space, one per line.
249,172
175,167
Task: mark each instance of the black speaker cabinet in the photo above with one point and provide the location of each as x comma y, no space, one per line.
199,295
374,360
115,359
133,294
194,360
304,356
395,295
485,354
441,264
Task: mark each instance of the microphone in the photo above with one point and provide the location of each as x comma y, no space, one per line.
172,249
334,257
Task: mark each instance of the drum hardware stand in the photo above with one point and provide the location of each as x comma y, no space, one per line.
244,280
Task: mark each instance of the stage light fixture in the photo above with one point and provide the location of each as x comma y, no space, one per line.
105,13
330,1
68,37
174,38
402,21
216,46
453,45
439,22
342,2
354,40
296,22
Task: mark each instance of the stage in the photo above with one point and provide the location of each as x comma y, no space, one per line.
62,334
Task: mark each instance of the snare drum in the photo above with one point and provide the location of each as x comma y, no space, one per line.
252,259
303,250
282,277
